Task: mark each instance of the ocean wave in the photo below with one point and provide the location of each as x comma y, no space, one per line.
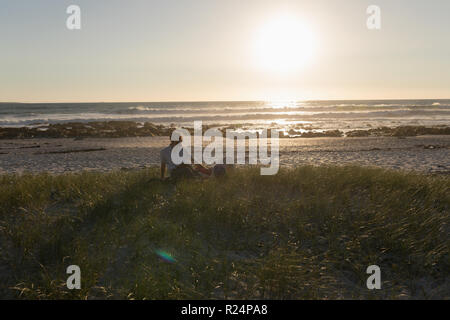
302,109
443,115
330,114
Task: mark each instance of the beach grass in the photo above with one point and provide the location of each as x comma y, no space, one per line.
305,233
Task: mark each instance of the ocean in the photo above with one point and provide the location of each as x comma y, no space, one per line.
311,115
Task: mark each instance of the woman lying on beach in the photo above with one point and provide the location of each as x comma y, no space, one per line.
181,171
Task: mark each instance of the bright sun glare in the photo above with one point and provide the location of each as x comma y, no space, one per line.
284,45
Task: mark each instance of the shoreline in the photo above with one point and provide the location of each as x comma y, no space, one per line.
123,129
426,154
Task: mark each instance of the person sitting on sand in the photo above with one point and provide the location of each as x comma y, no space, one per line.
185,170
174,170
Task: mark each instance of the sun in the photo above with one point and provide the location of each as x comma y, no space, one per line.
284,44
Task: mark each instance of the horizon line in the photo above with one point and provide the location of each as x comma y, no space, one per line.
196,101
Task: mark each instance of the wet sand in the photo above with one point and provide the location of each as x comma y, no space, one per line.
429,154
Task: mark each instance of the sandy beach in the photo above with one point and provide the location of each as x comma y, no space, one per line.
331,122
428,154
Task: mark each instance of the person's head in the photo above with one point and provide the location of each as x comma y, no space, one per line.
175,142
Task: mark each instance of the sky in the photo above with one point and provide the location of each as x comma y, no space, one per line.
198,50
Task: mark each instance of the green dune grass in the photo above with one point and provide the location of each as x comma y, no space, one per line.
306,233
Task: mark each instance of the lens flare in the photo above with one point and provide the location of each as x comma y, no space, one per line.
167,257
